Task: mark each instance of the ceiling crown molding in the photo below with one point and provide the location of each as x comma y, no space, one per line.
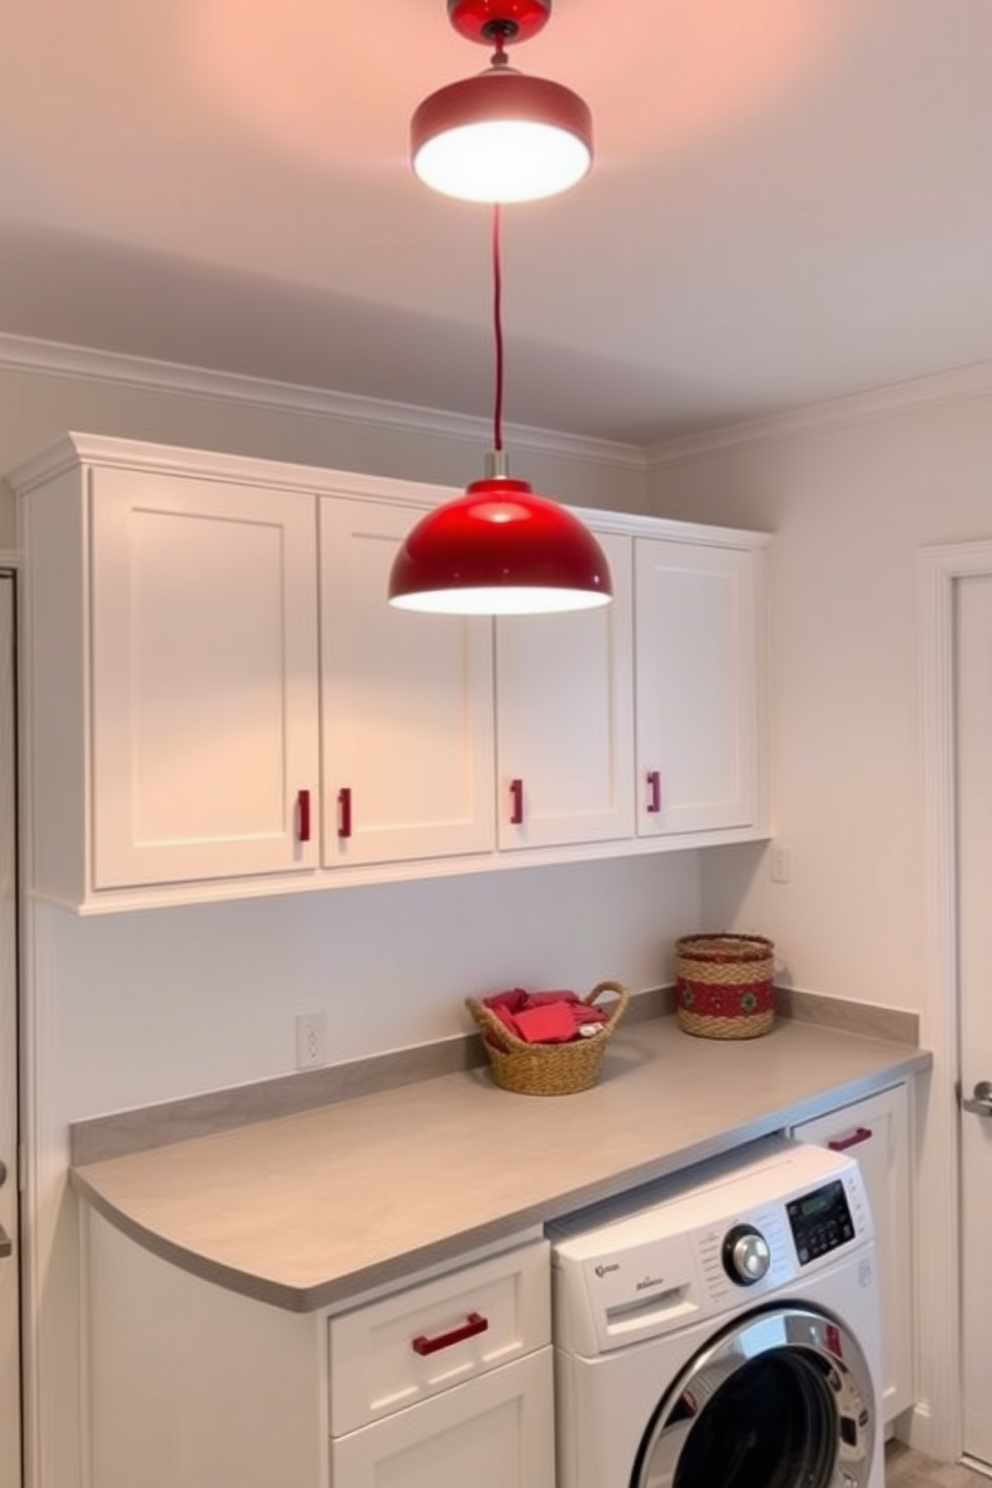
959,385
24,354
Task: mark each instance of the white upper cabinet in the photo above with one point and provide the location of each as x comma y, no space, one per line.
564,720
176,643
697,686
220,701
407,705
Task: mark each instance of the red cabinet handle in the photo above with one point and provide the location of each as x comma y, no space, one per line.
517,797
854,1139
344,811
303,815
654,790
474,1324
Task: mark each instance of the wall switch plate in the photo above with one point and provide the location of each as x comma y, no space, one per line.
311,1040
781,863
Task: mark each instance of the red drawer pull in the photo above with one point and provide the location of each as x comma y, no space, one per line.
474,1324
654,790
344,811
859,1135
517,808
303,812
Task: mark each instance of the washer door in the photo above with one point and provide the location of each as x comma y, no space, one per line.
782,1399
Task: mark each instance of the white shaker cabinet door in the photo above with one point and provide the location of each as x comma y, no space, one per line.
564,720
496,1431
407,704
696,642
204,705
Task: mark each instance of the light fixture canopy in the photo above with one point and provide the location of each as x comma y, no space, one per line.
486,20
499,549
501,136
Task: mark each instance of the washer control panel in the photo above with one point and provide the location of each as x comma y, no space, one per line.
820,1221
702,1242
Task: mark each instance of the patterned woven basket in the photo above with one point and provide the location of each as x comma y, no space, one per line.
724,985
548,1069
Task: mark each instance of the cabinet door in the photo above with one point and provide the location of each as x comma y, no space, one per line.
203,700
696,687
493,1432
564,710
876,1132
407,704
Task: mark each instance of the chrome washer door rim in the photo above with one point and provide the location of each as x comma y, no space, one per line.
829,1362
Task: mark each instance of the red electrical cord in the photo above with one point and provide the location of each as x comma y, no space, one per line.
497,329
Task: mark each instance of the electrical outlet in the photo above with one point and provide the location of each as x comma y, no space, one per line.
311,1044
781,863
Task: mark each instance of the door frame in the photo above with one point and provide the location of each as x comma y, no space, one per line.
9,567
937,1426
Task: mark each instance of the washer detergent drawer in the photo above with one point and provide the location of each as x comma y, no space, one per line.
411,1345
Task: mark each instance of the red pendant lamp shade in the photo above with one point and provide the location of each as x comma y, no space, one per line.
501,136
499,550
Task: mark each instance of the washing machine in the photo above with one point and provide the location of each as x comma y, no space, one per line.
721,1329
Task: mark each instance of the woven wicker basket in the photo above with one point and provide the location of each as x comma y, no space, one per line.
548,1069
724,985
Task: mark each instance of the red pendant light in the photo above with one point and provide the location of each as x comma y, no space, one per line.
501,136
499,549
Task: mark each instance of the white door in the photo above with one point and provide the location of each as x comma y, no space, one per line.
974,834
10,1414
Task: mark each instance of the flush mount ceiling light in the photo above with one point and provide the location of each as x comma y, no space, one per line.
499,549
501,136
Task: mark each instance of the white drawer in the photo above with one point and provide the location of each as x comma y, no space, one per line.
412,1344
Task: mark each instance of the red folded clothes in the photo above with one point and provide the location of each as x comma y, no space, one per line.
546,1017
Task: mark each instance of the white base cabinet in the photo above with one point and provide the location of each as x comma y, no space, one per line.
220,701
445,1383
876,1131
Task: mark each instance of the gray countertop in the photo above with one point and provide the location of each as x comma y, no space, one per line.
306,1210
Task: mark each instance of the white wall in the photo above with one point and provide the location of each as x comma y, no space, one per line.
851,506
132,1009
165,1003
